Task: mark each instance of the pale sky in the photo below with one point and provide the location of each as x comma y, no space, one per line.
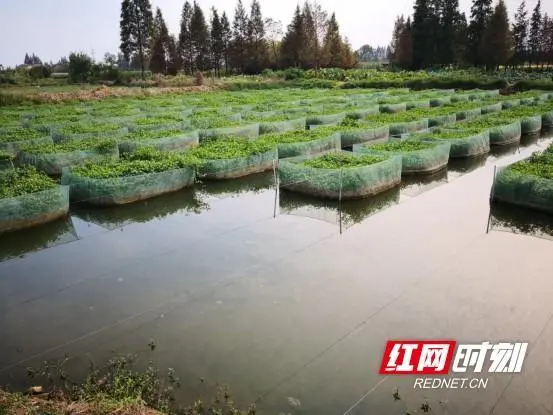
54,28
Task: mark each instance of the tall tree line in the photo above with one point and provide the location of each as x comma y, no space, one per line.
248,44
439,35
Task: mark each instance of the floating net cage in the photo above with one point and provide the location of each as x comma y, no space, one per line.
33,209
128,189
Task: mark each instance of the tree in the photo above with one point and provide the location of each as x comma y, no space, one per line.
399,25
257,48
185,39
404,51
535,33
332,45
80,67
480,13
173,56
273,30
136,29
520,34
320,19
449,26
217,42
422,34
497,38
290,48
544,39
310,44
199,35
110,59
240,37
159,48
227,39
549,42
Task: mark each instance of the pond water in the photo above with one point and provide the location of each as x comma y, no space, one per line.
287,299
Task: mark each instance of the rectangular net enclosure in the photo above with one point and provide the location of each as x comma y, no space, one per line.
464,143
418,156
292,124
52,159
527,183
232,168
340,174
126,189
32,209
162,140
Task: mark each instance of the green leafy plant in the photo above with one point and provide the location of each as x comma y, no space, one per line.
342,160
66,146
21,181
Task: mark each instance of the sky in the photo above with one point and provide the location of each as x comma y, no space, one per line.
54,28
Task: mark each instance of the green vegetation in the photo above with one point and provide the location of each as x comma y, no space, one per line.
148,134
453,133
342,160
92,128
206,123
20,134
158,120
229,147
538,165
294,136
143,161
401,146
21,181
492,120
66,146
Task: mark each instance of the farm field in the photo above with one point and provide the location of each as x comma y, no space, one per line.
273,241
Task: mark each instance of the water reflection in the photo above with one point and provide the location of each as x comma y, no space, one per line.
349,213
26,241
458,167
187,201
254,183
415,185
508,218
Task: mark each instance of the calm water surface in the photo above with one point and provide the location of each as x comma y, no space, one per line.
286,298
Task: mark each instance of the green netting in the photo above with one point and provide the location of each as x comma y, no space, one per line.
438,120
182,125
438,102
418,104
408,127
487,109
510,103
492,93
351,137
33,208
282,126
128,189
427,160
531,125
15,146
505,134
304,148
468,114
460,98
6,161
302,110
527,100
349,183
238,167
467,145
393,108
523,190
547,120
249,131
59,134
360,113
476,95
53,163
325,119
179,142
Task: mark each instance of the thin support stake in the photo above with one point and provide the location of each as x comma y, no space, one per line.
491,198
340,200
275,177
